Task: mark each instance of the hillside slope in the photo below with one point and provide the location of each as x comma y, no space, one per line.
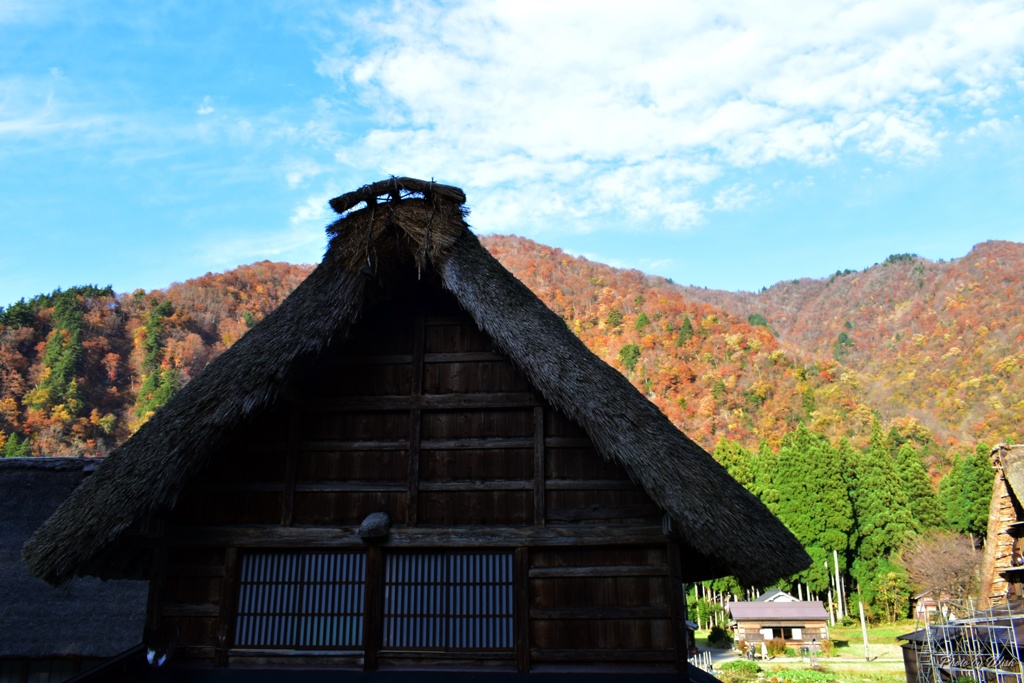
942,342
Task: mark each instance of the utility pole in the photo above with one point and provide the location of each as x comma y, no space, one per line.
864,632
839,589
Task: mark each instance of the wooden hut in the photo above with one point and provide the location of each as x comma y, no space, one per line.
795,621
413,463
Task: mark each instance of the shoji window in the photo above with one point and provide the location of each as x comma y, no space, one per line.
301,600
448,601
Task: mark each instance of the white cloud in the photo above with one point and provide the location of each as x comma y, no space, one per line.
205,107
587,105
303,241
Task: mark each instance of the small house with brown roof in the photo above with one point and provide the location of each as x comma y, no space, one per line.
412,464
795,621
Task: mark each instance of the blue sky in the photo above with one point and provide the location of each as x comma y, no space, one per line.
728,145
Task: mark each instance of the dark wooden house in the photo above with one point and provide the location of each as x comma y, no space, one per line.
412,463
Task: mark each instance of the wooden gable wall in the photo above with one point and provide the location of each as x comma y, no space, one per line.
418,416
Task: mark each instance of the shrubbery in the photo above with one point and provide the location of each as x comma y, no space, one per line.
738,671
719,637
777,647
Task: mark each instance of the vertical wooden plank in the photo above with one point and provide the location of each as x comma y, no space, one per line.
373,607
521,609
418,344
225,620
678,610
539,511
291,466
154,602
412,496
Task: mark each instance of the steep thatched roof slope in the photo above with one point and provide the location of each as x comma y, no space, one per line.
85,618
147,475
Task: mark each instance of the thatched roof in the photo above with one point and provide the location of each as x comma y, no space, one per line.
421,225
86,617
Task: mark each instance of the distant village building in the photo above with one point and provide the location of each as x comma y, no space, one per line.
777,614
776,595
412,464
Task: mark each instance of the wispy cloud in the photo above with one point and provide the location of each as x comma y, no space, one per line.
645,111
206,106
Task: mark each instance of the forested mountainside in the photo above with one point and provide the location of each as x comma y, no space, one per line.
81,369
940,342
839,402
933,350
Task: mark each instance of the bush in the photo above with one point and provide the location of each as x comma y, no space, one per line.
739,671
719,637
777,647
828,648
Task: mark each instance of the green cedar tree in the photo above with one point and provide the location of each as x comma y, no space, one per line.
924,504
685,331
882,515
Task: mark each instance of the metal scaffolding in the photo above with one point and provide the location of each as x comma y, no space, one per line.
984,647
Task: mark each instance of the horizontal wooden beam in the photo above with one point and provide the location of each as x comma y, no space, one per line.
603,512
407,358
425,401
425,445
492,485
173,610
196,570
641,612
350,486
598,572
416,537
488,485
432,444
625,656
589,484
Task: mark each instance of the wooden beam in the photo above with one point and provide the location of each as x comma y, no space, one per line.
273,536
228,601
640,612
590,485
373,607
332,445
539,467
291,466
350,486
412,498
568,442
603,512
412,485
623,656
598,572
157,584
425,401
521,586
491,485
680,634
176,610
